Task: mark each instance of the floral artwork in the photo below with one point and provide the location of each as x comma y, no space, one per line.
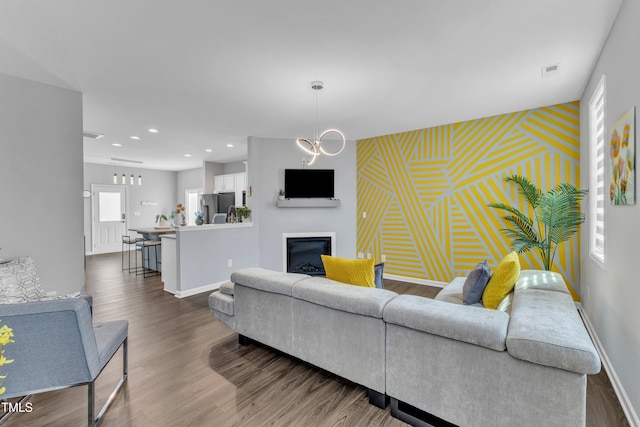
622,149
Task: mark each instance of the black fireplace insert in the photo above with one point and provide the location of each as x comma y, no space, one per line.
303,254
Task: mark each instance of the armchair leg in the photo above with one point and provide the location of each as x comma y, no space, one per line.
94,421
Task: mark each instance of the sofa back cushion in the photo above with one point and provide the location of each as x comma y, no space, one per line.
267,280
545,328
473,325
351,299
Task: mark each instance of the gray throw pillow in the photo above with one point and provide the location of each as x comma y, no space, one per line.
378,270
475,283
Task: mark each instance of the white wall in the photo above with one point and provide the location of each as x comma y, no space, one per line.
157,186
204,255
610,297
235,167
188,180
211,169
268,158
41,179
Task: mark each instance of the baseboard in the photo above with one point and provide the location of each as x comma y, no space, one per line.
415,280
627,407
199,290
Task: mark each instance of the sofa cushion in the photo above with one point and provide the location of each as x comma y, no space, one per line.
474,325
358,272
475,283
546,328
267,280
452,292
19,282
351,299
502,281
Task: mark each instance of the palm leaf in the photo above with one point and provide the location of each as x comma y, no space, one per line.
530,192
557,215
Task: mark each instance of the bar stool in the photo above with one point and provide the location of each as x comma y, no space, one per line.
127,242
141,246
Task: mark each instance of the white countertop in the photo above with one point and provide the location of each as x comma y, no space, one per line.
190,228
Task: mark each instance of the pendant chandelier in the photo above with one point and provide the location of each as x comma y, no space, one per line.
315,148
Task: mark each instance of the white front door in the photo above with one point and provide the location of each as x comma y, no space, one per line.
109,207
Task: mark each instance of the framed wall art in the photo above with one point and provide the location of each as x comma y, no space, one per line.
622,149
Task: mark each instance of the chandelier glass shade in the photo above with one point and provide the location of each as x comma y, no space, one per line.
315,148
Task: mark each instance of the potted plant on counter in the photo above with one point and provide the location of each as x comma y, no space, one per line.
161,220
180,210
199,217
243,212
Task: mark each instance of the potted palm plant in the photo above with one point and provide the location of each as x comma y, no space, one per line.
556,218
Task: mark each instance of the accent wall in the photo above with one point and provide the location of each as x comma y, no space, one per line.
423,194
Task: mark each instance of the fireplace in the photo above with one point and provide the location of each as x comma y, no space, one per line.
301,252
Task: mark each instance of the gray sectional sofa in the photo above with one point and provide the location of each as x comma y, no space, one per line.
436,359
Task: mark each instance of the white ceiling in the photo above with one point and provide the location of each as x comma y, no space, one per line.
210,72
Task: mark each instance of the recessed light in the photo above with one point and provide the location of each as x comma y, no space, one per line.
209,150
187,155
116,145
230,145
152,130
134,137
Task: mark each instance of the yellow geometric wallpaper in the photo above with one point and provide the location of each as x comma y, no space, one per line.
425,192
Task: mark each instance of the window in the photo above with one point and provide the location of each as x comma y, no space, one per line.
193,204
596,173
109,207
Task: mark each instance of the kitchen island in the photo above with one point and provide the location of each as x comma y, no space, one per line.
199,258
149,254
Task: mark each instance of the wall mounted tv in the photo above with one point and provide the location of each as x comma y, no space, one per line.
308,183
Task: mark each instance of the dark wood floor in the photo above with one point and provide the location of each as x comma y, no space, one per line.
187,369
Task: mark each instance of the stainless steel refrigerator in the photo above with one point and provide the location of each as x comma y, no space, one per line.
211,204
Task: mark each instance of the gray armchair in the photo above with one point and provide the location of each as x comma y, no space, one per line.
57,346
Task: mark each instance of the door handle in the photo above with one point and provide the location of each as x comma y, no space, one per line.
123,218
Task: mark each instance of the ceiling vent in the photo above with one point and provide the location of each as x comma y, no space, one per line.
115,159
92,135
550,71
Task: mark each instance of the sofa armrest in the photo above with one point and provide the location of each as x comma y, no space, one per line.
474,325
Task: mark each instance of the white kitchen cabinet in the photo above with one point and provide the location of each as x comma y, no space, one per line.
224,183
231,183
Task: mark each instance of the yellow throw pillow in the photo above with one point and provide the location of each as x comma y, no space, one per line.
502,281
357,272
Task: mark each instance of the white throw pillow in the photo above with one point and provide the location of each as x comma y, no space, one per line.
19,282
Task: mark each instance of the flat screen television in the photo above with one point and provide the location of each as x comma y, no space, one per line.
308,183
